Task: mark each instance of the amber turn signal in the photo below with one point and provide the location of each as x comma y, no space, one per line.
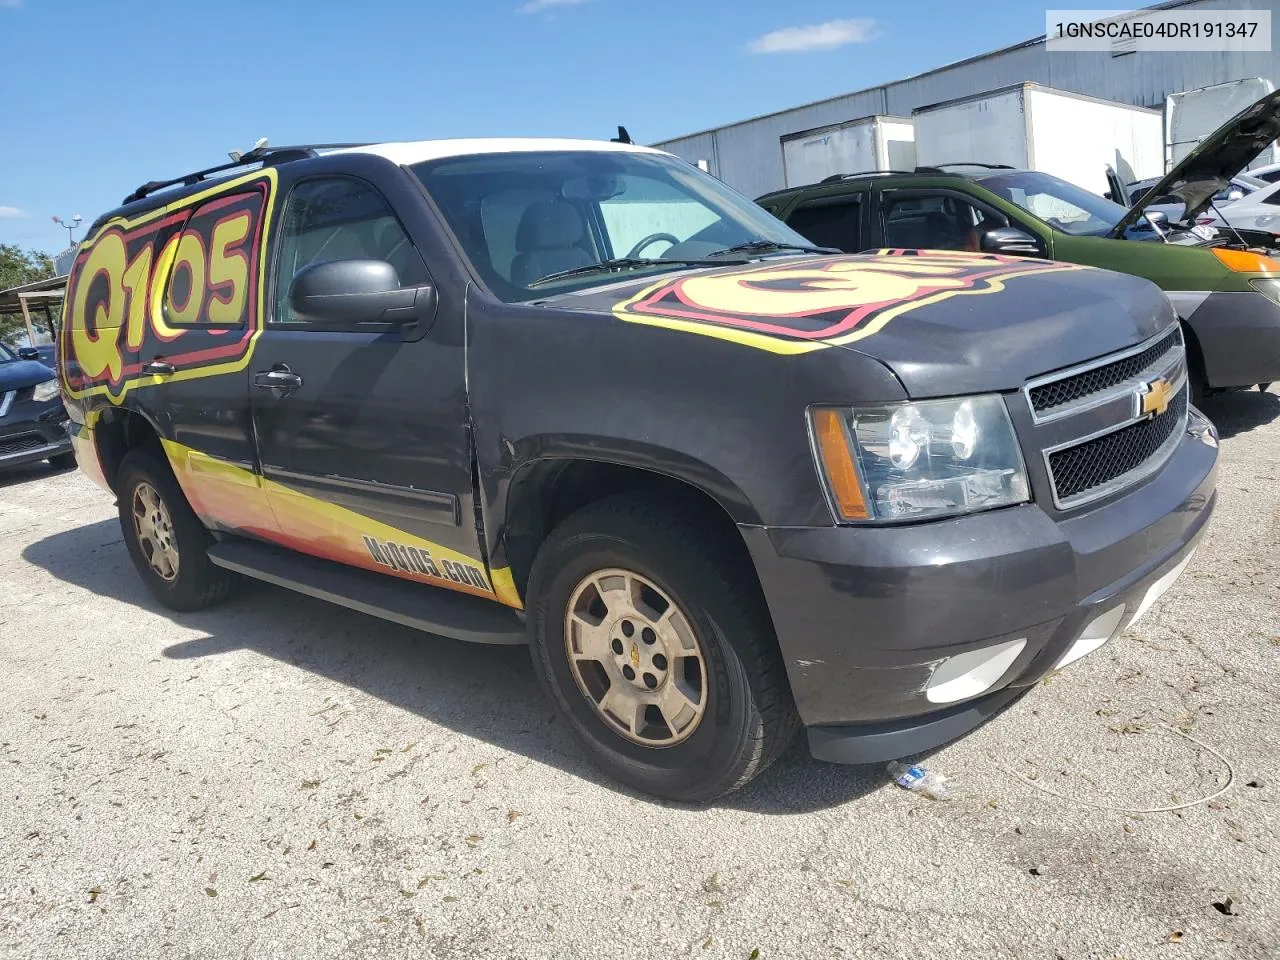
837,461
1242,261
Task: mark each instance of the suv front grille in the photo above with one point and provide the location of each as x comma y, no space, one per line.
1047,397
1095,463
1089,423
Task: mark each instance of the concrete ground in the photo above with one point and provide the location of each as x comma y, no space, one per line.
282,778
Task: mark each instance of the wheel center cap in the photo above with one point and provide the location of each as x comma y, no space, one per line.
635,656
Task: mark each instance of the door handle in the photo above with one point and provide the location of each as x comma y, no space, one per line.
279,377
159,367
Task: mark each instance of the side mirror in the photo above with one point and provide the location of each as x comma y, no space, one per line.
359,291
1011,240
1234,194
1158,217
28,353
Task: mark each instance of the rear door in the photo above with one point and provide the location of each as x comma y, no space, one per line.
162,311
362,436
832,221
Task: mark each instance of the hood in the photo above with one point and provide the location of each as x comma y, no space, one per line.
18,374
946,322
1211,165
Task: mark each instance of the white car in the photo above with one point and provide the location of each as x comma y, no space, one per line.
1270,172
1259,210
1242,187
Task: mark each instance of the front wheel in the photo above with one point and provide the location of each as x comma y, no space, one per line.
653,641
165,539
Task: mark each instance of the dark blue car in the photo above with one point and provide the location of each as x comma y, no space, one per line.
32,417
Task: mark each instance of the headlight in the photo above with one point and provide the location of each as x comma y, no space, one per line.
915,461
1269,288
45,391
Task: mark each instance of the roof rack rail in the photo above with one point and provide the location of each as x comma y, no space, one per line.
267,156
836,177
975,163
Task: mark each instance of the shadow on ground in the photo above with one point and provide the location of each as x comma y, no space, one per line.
27,472
1241,411
486,692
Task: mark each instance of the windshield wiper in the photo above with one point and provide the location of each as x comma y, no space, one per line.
763,246
621,263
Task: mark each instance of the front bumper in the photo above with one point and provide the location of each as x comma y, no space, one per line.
865,615
1239,336
33,431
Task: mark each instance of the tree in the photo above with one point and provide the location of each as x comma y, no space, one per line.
18,266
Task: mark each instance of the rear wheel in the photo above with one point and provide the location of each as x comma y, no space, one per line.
166,540
652,639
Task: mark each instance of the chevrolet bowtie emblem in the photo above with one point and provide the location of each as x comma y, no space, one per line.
1155,398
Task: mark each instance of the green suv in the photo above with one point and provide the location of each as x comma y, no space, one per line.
1224,284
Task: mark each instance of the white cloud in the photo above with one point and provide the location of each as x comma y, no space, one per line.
818,36
537,6
11,213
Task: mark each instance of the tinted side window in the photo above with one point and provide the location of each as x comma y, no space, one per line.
940,222
830,222
340,218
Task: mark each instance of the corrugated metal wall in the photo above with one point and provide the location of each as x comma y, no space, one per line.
748,155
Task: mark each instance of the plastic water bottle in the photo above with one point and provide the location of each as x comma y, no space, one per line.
935,786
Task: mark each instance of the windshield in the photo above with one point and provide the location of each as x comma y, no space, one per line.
6,355
521,217
1062,205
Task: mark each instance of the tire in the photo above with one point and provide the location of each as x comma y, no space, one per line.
63,461
195,582
747,716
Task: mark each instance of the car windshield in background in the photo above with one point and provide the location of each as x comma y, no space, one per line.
1062,205
6,355
522,218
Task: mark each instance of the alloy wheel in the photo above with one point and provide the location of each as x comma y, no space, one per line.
635,657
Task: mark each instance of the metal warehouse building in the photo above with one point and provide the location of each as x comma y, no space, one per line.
748,155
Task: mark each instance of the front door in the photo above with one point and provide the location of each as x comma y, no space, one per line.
932,219
361,436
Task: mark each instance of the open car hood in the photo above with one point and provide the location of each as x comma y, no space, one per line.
1211,165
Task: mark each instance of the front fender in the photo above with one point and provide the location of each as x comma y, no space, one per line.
726,418
672,464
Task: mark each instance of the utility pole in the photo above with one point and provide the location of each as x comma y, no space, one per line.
69,227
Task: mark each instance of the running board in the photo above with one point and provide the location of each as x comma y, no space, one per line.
430,609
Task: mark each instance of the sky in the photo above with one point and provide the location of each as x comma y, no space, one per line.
99,96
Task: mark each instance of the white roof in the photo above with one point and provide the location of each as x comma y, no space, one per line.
418,151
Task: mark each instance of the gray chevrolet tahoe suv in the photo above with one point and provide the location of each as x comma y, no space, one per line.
583,396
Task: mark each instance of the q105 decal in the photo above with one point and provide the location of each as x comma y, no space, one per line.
183,282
